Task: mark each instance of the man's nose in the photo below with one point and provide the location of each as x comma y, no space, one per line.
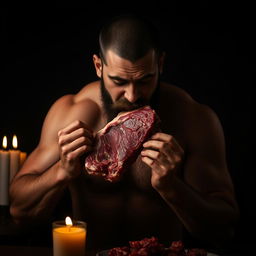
131,93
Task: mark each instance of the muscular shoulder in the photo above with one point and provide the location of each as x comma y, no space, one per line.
203,128
194,120
76,106
82,106
206,129
182,102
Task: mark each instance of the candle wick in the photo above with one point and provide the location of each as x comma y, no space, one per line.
69,228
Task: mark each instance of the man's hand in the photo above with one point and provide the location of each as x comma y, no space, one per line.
164,155
74,141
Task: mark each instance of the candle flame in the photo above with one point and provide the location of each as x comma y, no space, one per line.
4,142
14,141
68,221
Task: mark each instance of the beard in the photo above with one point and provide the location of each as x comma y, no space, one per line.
112,109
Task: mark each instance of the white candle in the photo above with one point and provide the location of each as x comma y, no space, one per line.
14,158
69,238
4,174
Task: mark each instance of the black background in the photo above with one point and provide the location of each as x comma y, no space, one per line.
46,53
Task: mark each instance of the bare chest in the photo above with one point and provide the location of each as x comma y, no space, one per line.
133,189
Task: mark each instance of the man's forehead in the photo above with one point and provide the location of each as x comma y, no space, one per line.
118,64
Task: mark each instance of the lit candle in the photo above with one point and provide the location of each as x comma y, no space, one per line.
69,238
14,158
23,156
4,173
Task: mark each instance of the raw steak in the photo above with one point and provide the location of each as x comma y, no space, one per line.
152,247
119,143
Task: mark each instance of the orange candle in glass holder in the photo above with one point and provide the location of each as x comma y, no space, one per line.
69,238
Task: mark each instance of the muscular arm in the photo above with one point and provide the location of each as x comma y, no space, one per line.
54,163
34,191
204,200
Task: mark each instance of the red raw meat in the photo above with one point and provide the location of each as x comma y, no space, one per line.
144,247
177,248
119,143
152,247
119,251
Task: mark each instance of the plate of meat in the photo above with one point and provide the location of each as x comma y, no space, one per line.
152,247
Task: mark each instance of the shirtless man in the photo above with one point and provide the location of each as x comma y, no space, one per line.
180,180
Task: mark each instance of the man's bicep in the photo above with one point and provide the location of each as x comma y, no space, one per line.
40,160
203,175
209,180
206,168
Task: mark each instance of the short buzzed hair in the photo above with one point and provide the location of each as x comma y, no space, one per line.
129,36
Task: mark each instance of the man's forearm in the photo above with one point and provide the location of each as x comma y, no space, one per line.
208,218
34,195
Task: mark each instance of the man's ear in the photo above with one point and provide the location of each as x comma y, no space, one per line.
98,65
161,62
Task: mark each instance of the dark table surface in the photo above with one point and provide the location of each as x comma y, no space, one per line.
13,250
25,251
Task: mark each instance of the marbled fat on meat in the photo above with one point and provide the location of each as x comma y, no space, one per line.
119,143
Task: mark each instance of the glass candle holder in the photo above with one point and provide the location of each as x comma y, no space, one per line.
69,239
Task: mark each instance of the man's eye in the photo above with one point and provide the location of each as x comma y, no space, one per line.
119,82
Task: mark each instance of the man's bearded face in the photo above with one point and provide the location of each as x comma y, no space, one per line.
112,109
